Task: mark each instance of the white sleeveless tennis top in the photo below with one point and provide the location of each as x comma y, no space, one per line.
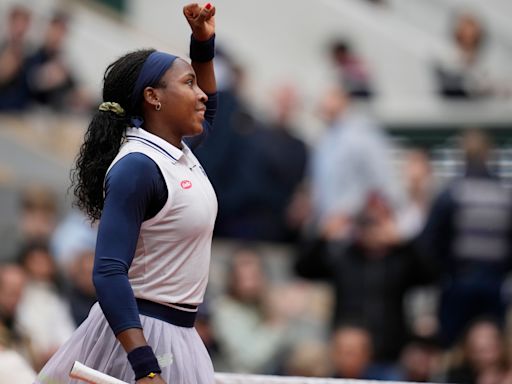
172,258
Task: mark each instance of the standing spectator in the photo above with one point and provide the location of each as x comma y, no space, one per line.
224,154
352,161
273,164
419,187
469,232
371,275
285,156
14,92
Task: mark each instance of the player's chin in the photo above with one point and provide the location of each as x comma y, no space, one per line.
197,129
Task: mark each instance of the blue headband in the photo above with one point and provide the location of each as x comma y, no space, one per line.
152,71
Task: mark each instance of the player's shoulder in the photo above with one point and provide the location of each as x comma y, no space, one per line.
134,167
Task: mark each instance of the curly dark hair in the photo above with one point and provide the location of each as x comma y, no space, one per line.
105,133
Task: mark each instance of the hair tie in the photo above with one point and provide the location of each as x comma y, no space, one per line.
109,106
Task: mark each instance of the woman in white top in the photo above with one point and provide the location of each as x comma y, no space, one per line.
157,208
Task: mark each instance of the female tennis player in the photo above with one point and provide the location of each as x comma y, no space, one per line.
136,173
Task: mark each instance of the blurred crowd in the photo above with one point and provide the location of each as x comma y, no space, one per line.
415,269
37,74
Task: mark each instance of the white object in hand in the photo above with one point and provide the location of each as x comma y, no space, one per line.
91,376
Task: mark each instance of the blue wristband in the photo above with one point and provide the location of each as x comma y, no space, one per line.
202,51
144,362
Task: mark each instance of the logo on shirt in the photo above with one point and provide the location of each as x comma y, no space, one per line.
186,184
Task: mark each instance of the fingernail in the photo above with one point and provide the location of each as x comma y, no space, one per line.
208,6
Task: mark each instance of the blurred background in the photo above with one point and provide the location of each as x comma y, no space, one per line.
362,159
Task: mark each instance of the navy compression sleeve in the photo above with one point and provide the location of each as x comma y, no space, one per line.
134,191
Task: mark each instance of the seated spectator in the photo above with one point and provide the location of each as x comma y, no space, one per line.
38,212
420,360
12,285
36,215
51,80
73,235
351,355
483,356
466,74
250,337
308,359
351,71
81,293
14,92
207,334
14,368
42,313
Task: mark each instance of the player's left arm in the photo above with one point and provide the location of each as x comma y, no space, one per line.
202,51
202,24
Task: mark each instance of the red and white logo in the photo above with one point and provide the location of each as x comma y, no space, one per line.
186,184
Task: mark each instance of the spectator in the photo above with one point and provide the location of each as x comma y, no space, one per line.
308,358
466,74
12,285
483,356
74,235
351,162
273,164
42,313
81,294
286,157
225,154
36,220
14,369
39,212
351,71
254,170
205,330
420,360
249,336
51,80
14,92
351,354
469,231
419,187
371,275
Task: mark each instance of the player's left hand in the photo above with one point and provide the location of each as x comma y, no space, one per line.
201,20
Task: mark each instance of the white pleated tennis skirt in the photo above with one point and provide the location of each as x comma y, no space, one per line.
181,353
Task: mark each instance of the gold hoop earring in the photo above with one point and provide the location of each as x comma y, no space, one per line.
158,106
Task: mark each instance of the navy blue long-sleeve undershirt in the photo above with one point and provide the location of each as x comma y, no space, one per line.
135,191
